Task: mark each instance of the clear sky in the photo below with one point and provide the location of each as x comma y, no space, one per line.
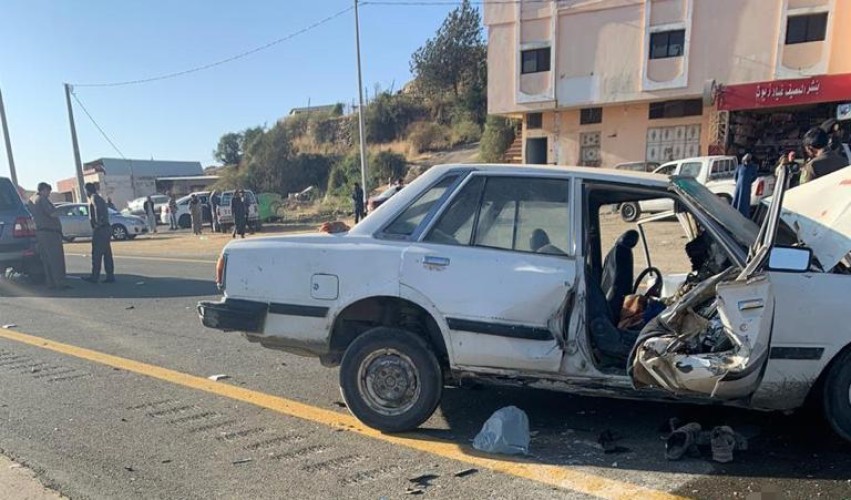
44,43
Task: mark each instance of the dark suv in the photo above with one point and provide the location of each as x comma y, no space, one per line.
17,234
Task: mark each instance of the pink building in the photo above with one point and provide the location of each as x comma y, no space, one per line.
601,82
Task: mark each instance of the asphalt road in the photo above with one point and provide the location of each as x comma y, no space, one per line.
104,394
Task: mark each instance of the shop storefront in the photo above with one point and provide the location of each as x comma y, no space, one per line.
769,119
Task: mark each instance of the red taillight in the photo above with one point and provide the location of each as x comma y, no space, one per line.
760,187
24,228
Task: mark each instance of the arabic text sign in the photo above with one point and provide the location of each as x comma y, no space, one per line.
786,92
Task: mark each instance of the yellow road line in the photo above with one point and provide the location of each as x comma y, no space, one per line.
552,475
157,259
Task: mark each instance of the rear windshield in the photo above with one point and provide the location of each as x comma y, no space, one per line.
9,199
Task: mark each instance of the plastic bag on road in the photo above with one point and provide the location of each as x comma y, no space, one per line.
506,432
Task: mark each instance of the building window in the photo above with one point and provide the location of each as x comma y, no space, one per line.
535,60
534,121
676,109
590,116
666,44
589,149
803,29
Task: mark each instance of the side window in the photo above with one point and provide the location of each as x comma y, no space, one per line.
455,226
406,223
667,169
524,215
691,169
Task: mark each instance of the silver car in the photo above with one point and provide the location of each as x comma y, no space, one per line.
75,223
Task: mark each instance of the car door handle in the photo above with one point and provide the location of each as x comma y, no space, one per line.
431,260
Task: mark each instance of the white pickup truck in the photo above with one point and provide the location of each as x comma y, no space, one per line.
717,173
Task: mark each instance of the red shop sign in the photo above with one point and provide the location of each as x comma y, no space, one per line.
785,92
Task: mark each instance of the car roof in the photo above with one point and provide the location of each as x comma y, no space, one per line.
590,173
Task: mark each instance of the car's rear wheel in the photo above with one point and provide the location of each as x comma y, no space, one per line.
185,221
630,212
837,395
726,197
390,379
119,232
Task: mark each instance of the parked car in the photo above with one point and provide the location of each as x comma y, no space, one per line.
493,274
184,218
137,206
638,166
226,218
717,173
17,234
76,223
377,201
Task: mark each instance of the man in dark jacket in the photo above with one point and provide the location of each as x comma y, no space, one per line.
823,160
49,237
101,234
746,174
239,211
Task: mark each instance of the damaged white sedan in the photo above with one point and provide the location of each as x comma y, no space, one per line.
503,274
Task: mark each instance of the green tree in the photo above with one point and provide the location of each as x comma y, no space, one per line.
454,58
229,150
496,139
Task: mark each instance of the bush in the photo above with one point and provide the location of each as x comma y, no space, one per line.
344,173
496,139
427,136
386,165
466,132
389,115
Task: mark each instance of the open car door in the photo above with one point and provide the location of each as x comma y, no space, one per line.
714,342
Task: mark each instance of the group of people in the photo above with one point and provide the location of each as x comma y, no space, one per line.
821,146
239,205
49,237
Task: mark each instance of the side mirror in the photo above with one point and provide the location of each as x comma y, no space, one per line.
790,259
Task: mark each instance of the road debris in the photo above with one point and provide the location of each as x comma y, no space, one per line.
140,283
424,481
687,440
724,440
129,308
506,431
216,378
9,326
466,472
683,440
242,461
340,404
414,491
608,441
129,468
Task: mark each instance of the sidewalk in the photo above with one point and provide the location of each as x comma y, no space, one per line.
20,483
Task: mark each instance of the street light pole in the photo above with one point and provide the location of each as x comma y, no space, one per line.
361,126
12,172
81,183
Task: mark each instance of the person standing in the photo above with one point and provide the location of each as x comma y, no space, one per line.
823,160
49,237
357,198
150,214
746,174
172,213
101,235
215,201
195,213
239,212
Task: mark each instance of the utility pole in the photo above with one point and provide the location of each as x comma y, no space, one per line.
81,183
361,126
12,172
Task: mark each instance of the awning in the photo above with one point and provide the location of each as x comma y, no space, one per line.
780,93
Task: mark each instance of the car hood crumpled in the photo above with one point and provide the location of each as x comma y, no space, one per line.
820,213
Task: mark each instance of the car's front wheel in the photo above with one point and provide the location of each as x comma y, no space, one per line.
837,395
630,212
390,379
119,232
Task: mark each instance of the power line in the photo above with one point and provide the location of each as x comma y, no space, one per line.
241,55
86,111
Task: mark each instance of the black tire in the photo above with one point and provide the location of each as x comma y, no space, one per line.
630,212
727,198
391,353
119,232
185,221
836,397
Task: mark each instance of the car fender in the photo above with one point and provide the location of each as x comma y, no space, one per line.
421,300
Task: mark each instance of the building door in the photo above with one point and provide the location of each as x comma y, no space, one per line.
536,151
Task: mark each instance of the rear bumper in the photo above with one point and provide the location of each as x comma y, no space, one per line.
233,315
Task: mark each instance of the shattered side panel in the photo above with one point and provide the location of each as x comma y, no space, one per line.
716,348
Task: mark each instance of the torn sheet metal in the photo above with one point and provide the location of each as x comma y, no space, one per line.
820,213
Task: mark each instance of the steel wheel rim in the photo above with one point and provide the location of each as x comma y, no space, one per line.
119,233
388,382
